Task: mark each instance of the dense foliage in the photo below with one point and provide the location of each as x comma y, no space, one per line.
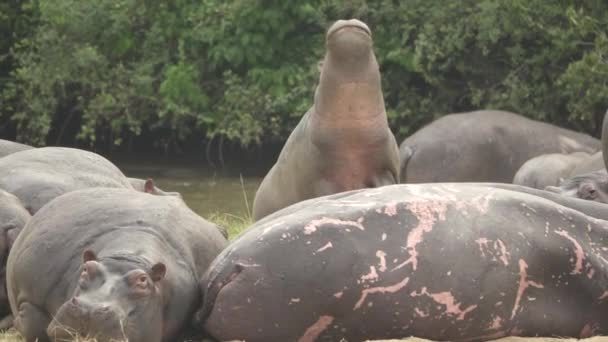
113,71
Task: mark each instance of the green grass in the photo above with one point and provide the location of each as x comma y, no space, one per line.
232,223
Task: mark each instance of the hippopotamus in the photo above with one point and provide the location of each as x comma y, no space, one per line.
442,261
483,146
548,169
110,263
148,186
591,185
38,175
8,147
13,218
343,141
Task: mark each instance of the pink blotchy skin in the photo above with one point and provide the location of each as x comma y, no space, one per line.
578,250
523,285
327,245
382,256
314,224
504,256
421,313
316,329
391,209
427,213
372,275
496,323
385,289
447,299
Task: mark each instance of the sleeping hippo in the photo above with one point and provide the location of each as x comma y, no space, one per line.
36,176
13,218
343,141
483,146
548,169
591,186
111,264
9,147
444,261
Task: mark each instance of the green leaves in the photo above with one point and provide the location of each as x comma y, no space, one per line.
105,71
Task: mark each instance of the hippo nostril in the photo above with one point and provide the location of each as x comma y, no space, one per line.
74,301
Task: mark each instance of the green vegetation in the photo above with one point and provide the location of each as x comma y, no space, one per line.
108,73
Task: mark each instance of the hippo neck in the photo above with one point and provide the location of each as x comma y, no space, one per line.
349,94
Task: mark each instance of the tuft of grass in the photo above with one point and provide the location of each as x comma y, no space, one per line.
232,223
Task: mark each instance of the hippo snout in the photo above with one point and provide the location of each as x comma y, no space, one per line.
77,317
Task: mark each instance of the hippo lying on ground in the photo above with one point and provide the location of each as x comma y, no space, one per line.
591,186
38,175
483,146
149,187
13,218
9,147
548,169
452,261
343,142
109,263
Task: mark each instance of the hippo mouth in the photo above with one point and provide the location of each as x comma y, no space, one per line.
358,27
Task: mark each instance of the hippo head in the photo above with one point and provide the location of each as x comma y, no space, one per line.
349,42
591,186
113,300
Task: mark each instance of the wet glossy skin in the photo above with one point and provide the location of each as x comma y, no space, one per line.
452,261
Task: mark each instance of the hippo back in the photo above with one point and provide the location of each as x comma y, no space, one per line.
36,176
439,261
13,218
9,147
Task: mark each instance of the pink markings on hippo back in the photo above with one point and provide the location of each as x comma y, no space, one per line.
498,249
524,283
372,276
496,323
315,224
428,212
380,289
316,329
578,251
327,246
382,256
446,298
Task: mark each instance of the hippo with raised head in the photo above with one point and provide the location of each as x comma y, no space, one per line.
111,264
483,146
148,186
343,142
13,218
548,169
36,176
9,147
451,261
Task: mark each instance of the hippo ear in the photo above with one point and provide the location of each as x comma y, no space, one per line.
149,186
88,255
157,273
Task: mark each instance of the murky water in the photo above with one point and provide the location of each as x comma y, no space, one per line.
205,189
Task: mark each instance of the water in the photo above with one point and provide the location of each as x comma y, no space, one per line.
205,189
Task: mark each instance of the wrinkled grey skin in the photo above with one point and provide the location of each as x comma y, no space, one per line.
110,263
594,163
148,186
13,218
483,146
36,176
548,169
343,142
450,261
9,147
592,186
